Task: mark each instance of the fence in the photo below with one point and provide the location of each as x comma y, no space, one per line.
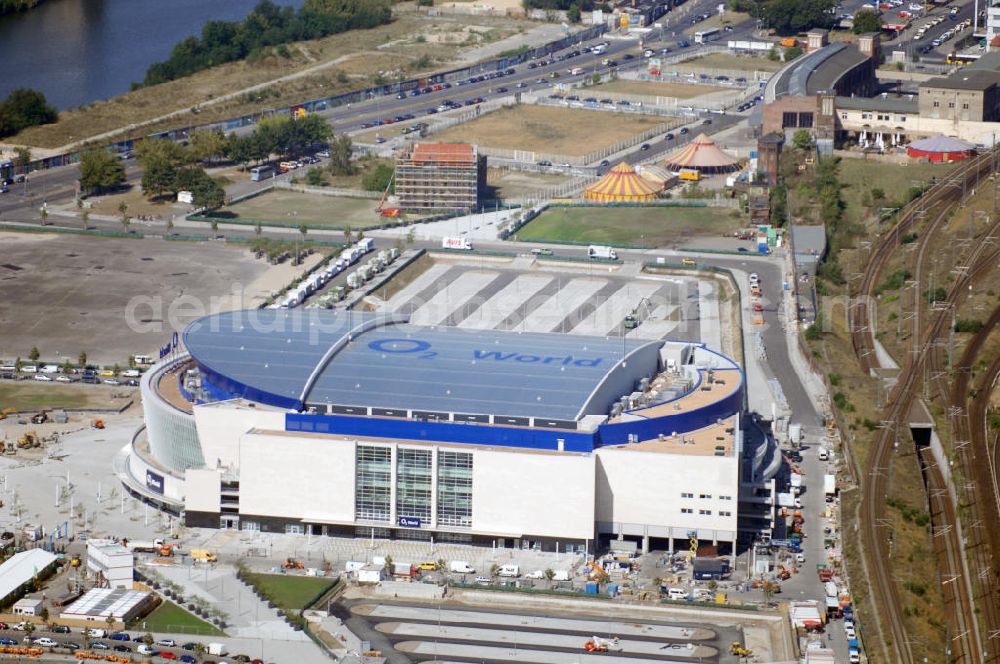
327,191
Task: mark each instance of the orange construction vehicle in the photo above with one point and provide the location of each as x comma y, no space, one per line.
292,563
97,423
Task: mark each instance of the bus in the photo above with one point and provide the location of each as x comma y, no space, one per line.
261,173
962,58
705,36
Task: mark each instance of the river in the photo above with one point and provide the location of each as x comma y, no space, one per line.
79,51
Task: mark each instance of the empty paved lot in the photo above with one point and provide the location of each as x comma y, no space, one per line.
66,293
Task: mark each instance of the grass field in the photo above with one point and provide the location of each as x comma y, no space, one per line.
649,226
728,61
291,208
654,88
168,617
860,175
291,592
30,395
548,129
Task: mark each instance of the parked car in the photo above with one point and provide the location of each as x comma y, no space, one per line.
166,643
98,645
6,641
121,647
60,629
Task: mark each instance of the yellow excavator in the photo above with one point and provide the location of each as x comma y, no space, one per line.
29,440
6,412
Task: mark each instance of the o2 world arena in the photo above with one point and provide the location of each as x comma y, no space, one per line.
362,424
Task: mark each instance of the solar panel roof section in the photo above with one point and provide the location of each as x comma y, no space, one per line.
408,366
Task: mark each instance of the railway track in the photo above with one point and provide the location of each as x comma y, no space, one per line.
884,592
979,464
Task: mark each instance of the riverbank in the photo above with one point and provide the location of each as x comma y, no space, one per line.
414,43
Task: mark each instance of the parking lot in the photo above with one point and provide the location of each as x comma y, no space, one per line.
470,628
529,295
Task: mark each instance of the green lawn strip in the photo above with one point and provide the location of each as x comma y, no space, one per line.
291,592
651,226
168,617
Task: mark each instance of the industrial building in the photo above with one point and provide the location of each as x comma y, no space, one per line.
359,424
110,563
99,604
439,176
20,570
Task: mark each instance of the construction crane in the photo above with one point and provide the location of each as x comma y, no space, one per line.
382,209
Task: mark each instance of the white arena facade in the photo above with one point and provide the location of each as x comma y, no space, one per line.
355,424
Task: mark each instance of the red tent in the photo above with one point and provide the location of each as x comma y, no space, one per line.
940,149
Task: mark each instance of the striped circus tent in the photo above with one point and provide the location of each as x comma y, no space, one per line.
704,155
621,185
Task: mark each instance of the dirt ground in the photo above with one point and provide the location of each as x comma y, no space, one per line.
728,61
112,298
510,183
548,129
654,88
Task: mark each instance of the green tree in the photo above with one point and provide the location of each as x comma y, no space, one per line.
494,570
33,355
793,52
161,160
206,192
99,170
348,234
802,140
549,574
789,17
214,224
207,146
303,229
257,229
378,179
779,204
866,21
341,150
29,628
85,219
148,639
24,108
773,55
22,157
573,13
81,359
314,177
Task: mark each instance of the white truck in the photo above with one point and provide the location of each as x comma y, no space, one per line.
462,243
795,435
598,251
510,571
830,485
218,649
365,245
461,567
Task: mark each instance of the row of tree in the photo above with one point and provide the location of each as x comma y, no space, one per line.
266,26
14,6
789,17
24,108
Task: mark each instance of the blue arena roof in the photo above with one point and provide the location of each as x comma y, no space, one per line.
289,358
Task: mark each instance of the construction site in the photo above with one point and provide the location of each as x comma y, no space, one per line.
439,176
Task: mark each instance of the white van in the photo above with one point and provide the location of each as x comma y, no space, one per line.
510,571
29,368
677,593
823,454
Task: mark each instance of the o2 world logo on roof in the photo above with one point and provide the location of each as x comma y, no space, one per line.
422,350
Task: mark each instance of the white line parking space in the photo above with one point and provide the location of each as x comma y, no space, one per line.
452,297
516,654
551,314
610,314
504,303
412,289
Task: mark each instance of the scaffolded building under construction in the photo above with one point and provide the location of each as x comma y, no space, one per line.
439,176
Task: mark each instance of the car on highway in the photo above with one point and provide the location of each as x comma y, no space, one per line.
521,84
707,121
500,89
545,162
628,56
541,252
668,137
683,43
684,130
644,146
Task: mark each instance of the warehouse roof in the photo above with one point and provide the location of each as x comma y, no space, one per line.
294,357
21,568
965,79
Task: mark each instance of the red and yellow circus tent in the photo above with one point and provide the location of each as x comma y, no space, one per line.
704,155
621,185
